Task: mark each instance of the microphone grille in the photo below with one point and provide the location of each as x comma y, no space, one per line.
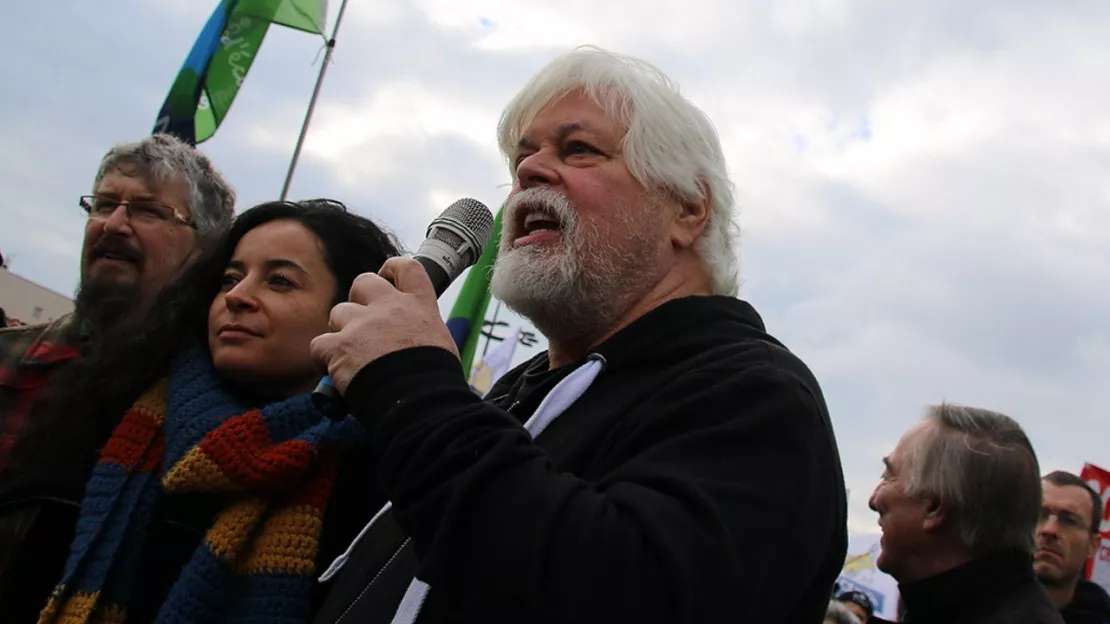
474,215
466,217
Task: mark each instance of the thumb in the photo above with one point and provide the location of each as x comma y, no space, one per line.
408,276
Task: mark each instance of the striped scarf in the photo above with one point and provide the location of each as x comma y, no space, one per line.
274,467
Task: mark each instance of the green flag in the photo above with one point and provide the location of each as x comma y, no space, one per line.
206,86
307,15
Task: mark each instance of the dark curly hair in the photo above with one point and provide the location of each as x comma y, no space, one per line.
85,399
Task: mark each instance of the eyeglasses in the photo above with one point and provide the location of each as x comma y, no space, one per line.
144,211
1064,519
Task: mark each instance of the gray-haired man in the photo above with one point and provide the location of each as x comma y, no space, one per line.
958,504
154,205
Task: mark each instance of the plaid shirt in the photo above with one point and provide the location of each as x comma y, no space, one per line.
28,356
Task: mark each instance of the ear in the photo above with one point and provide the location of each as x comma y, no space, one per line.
691,219
936,513
1096,541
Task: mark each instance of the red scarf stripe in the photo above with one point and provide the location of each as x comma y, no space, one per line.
317,490
137,443
242,449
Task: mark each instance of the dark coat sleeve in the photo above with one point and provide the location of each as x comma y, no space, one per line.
719,503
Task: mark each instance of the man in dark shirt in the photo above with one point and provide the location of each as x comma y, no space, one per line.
958,503
1067,536
643,467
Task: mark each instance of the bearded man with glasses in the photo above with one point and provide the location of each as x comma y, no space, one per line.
155,205
1067,536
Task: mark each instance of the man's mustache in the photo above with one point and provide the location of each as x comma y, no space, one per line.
111,246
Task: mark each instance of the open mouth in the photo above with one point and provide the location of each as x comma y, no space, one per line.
540,222
536,226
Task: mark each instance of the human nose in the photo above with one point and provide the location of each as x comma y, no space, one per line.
1049,524
241,297
537,169
119,222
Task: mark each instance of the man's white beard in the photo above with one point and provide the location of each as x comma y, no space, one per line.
576,292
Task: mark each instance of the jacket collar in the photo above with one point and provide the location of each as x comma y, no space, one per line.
56,342
969,584
639,344
671,324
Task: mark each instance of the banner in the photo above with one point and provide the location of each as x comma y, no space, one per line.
1098,568
861,574
215,68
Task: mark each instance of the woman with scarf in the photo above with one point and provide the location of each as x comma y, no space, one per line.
221,489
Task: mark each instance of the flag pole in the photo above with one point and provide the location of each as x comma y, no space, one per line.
493,326
330,45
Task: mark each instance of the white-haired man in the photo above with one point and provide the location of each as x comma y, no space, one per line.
665,460
958,503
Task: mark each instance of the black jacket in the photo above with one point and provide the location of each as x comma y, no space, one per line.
1090,605
696,480
997,589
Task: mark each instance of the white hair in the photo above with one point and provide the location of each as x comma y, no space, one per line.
162,158
670,146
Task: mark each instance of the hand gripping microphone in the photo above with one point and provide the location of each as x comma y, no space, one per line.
454,241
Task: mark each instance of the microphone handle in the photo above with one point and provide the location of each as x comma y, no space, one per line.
326,397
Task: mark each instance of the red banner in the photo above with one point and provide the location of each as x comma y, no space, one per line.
1098,568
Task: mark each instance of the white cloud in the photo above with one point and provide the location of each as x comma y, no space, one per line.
394,113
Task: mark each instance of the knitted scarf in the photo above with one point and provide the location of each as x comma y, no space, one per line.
274,467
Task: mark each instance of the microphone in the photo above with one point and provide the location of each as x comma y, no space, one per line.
453,242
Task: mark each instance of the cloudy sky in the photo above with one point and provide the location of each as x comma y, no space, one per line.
923,184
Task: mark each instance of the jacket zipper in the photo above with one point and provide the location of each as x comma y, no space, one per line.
371,582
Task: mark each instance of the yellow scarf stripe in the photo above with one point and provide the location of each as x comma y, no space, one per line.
196,472
81,608
234,527
152,403
287,543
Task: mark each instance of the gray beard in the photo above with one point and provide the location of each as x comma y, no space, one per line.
557,297
571,297
578,293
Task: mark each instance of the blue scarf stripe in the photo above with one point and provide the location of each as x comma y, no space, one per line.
119,581
195,389
285,426
273,593
205,575
112,524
